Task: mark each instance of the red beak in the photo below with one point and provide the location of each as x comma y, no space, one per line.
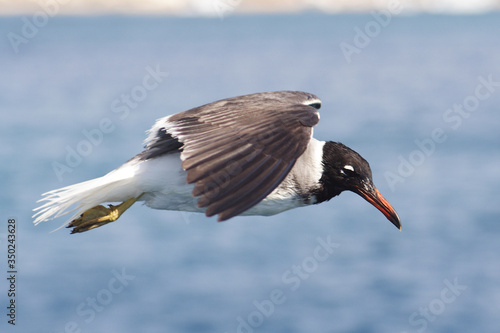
374,197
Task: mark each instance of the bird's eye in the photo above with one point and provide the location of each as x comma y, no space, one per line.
348,170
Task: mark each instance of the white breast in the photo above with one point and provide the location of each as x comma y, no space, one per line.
163,181
302,179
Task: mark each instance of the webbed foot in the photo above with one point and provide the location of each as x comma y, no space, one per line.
99,215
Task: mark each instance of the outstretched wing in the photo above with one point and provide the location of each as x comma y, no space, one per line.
238,150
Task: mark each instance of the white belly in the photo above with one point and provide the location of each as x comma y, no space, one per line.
163,182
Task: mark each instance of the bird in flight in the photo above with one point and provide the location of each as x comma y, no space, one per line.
246,155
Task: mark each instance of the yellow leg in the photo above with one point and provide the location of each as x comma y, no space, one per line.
99,215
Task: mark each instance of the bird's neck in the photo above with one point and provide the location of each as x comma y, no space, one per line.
327,188
325,191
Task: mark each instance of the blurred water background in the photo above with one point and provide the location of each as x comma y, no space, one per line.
183,272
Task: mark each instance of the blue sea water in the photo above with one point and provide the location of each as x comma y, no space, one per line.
418,98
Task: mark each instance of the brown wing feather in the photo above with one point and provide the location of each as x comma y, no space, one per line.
237,151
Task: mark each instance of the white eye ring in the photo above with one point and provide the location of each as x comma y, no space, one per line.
346,167
349,167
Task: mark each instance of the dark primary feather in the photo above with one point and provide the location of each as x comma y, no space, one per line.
238,150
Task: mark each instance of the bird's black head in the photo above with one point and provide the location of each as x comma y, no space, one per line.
345,170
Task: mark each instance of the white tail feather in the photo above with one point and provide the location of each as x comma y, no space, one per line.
118,185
